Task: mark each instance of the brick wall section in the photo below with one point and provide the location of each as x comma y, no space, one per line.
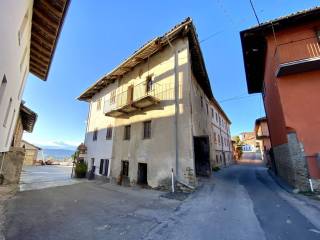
291,163
12,165
299,162
316,185
283,163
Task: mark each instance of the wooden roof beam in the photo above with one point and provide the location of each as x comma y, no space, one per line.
46,19
39,62
42,39
36,71
41,49
39,55
126,68
36,66
52,8
138,59
45,30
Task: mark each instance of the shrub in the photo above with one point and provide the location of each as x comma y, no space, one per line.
215,169
81,169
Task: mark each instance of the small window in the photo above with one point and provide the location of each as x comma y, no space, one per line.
149,84
219,139
99,104
127,130
113,97
95,134
217,117
212,113
201,102
125,168
109,133
215,137
207,108
147,130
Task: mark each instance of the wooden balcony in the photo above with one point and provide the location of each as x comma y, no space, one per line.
134,99
297,56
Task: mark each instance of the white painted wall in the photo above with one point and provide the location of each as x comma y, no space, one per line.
14,62
101,148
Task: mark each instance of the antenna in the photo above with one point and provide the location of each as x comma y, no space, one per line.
254,11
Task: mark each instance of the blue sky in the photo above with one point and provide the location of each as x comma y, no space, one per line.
98,35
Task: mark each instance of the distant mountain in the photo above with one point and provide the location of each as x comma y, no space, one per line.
58,154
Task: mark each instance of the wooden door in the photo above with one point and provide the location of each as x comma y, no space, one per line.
130,94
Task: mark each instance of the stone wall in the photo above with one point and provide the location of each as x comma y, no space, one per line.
316,185
291,163
12,165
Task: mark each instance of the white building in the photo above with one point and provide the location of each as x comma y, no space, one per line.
158,103
99,132
29,31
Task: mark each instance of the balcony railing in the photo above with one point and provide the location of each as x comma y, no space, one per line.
136,98
297,56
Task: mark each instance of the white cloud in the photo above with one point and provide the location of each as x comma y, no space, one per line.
54,144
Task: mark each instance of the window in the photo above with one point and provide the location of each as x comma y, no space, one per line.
212,113
109,133
201,102
95,134
217,117
104,167
219,139
101,166
125,168
149,84
207,108
3,87
7,113
147,130
99,104
113,97
127,130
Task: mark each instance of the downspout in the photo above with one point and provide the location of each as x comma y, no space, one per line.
176,103
3,155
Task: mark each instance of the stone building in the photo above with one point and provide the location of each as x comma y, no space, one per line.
282,61
31,153
155,116
11,162
262,135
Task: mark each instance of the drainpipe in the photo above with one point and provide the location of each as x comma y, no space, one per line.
176,103
2,162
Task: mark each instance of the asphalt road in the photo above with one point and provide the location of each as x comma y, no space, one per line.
39,177
240,202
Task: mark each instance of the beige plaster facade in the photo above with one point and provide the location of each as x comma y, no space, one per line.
177,110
